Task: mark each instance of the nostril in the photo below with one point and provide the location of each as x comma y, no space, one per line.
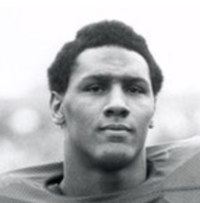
125,112
121,112
109,112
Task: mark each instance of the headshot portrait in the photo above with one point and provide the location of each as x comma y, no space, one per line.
100,103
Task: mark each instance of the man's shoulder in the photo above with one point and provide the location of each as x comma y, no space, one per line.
37,173
29,181
179,162
177,167
180,150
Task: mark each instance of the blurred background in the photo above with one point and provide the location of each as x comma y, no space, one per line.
32,32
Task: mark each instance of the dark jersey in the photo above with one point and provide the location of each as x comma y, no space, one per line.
173,177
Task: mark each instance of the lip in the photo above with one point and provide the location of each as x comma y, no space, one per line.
116,127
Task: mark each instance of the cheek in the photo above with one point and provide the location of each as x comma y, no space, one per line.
143,122
80,115
148,115
145,115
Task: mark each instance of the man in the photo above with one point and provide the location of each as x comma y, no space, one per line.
104,86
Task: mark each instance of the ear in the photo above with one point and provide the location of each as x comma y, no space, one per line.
56,110
151,124
155,103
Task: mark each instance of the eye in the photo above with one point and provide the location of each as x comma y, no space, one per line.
95,88
135,90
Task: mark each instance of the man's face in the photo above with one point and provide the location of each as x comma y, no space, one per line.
108,107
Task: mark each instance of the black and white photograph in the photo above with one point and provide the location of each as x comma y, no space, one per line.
99,101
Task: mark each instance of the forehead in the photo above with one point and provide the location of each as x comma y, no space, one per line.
110,60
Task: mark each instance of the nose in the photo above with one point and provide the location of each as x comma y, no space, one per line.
116,105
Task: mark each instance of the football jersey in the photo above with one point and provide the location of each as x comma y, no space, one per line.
173,177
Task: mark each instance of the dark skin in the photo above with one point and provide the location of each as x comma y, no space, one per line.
105,115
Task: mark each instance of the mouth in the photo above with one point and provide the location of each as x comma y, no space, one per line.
116,127
117,133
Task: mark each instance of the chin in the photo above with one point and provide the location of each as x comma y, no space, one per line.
113,160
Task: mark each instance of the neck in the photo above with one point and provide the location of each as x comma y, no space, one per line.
79,181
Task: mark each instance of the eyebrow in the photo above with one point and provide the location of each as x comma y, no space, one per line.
110,77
